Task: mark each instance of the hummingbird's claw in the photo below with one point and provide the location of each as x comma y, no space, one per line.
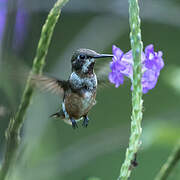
74,124
85,122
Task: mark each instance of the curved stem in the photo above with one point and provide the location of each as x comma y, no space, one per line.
15,124
170,164
137,102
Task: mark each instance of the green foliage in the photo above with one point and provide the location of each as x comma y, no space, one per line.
93,178
52,150
15,124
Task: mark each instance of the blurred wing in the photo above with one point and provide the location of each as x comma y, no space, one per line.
102,71
50,84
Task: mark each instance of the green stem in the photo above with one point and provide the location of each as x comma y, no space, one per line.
170,164
15,124
137,102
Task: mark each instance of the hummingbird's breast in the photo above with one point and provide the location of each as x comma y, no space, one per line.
81,97
79,83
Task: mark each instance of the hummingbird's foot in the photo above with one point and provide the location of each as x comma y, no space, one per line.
85,122
74,124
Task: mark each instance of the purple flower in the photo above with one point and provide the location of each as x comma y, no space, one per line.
3,12
21,25
122,65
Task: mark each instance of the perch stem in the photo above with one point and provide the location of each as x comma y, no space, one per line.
137,102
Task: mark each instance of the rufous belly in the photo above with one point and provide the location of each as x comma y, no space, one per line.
79,105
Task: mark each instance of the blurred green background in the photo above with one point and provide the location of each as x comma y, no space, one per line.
51,149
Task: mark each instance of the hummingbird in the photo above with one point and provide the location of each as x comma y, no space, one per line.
79,91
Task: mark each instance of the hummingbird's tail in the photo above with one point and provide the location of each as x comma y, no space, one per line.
59,114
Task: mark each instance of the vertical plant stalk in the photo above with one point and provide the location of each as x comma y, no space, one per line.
137,102
15,124
170,164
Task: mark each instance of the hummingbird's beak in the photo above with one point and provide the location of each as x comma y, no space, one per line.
103,56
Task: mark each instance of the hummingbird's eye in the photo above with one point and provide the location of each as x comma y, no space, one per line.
81,56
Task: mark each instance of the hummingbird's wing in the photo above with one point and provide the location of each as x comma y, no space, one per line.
50,84
102,70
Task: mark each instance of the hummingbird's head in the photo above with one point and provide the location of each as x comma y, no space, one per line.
83,60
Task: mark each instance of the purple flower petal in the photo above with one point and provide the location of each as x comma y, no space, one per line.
118,53
149,51
149,80
116,79
160,61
